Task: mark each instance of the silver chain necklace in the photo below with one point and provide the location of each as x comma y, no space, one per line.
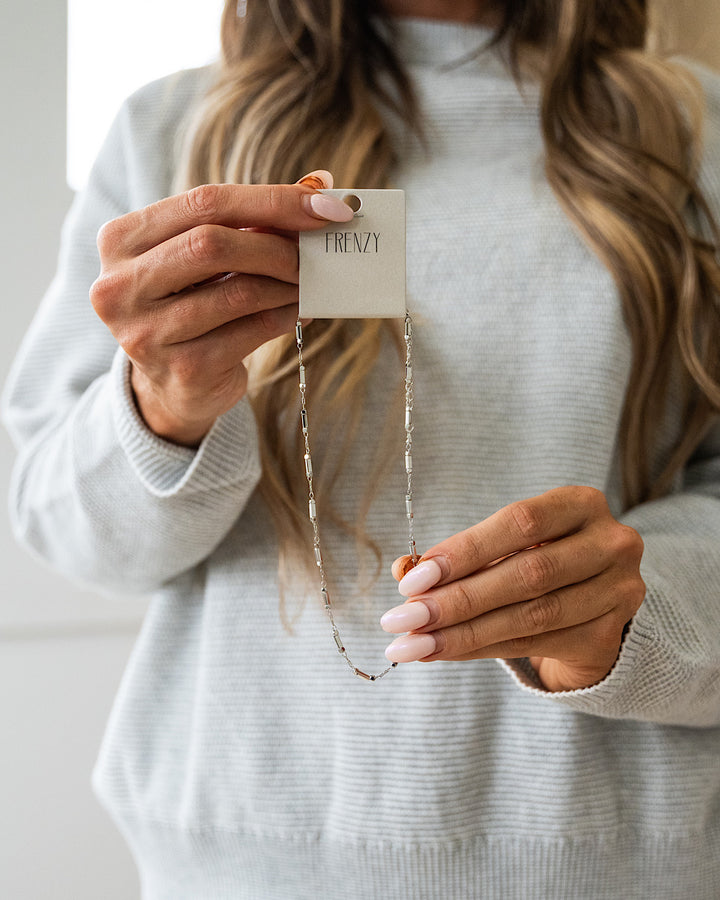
312,505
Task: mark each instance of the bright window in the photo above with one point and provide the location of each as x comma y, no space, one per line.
115,48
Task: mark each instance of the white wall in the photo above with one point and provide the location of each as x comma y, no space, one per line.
62,649
698,24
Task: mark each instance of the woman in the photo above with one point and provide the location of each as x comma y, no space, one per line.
560,738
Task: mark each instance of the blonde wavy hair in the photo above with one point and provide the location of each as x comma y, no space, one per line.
307,84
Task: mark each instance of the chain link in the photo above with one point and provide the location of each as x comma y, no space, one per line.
312,504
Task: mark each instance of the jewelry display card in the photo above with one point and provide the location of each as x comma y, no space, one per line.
356,269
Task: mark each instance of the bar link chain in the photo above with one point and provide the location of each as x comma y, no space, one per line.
312,504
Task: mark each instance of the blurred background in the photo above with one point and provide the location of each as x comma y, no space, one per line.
63,648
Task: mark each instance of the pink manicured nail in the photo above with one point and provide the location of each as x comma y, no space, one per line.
330,208
419,579
406,617
411,647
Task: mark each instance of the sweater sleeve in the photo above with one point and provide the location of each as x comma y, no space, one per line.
94,492
668,669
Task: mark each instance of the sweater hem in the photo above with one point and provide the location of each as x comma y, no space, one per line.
219,864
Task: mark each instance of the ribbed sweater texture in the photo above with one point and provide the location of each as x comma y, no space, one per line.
243,762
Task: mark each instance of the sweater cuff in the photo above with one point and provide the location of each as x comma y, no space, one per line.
640,678
228,454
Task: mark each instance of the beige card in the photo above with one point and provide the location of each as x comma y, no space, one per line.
356,269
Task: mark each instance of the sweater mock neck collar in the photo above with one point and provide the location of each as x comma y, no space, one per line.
437,42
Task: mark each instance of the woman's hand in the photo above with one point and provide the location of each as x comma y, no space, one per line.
555,578
191,285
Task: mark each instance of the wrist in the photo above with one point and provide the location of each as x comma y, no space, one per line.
161,420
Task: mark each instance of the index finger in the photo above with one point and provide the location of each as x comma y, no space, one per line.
519,526
288,207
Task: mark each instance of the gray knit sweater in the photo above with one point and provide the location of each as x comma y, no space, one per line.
241,761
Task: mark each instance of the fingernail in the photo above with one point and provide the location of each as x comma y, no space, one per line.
406,617
331,208
419,579
318,179
411,647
